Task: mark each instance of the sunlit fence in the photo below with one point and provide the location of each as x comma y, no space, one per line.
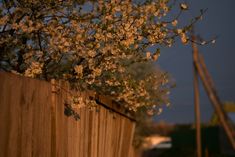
33,123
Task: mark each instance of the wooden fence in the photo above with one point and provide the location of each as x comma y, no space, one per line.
33,123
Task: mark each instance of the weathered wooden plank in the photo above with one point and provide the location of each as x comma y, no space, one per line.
5,93
94,133
26,102
61,123
41,119
12,118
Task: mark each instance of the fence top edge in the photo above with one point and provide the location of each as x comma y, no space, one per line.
102,100
19,76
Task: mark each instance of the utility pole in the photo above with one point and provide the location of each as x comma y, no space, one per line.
196,104
216,104
211,92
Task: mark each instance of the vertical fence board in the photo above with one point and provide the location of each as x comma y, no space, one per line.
5,92
11,123
82,132
27,120
41,119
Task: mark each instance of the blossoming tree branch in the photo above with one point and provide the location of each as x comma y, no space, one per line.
95,45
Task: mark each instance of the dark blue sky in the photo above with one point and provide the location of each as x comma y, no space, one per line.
219,20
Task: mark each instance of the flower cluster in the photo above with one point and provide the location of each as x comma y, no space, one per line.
91,44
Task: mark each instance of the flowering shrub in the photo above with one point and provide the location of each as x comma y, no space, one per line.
96,45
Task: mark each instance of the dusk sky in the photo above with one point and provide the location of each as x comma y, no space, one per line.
219,58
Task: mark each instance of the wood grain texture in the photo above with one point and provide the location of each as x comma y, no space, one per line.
25,117
33,123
